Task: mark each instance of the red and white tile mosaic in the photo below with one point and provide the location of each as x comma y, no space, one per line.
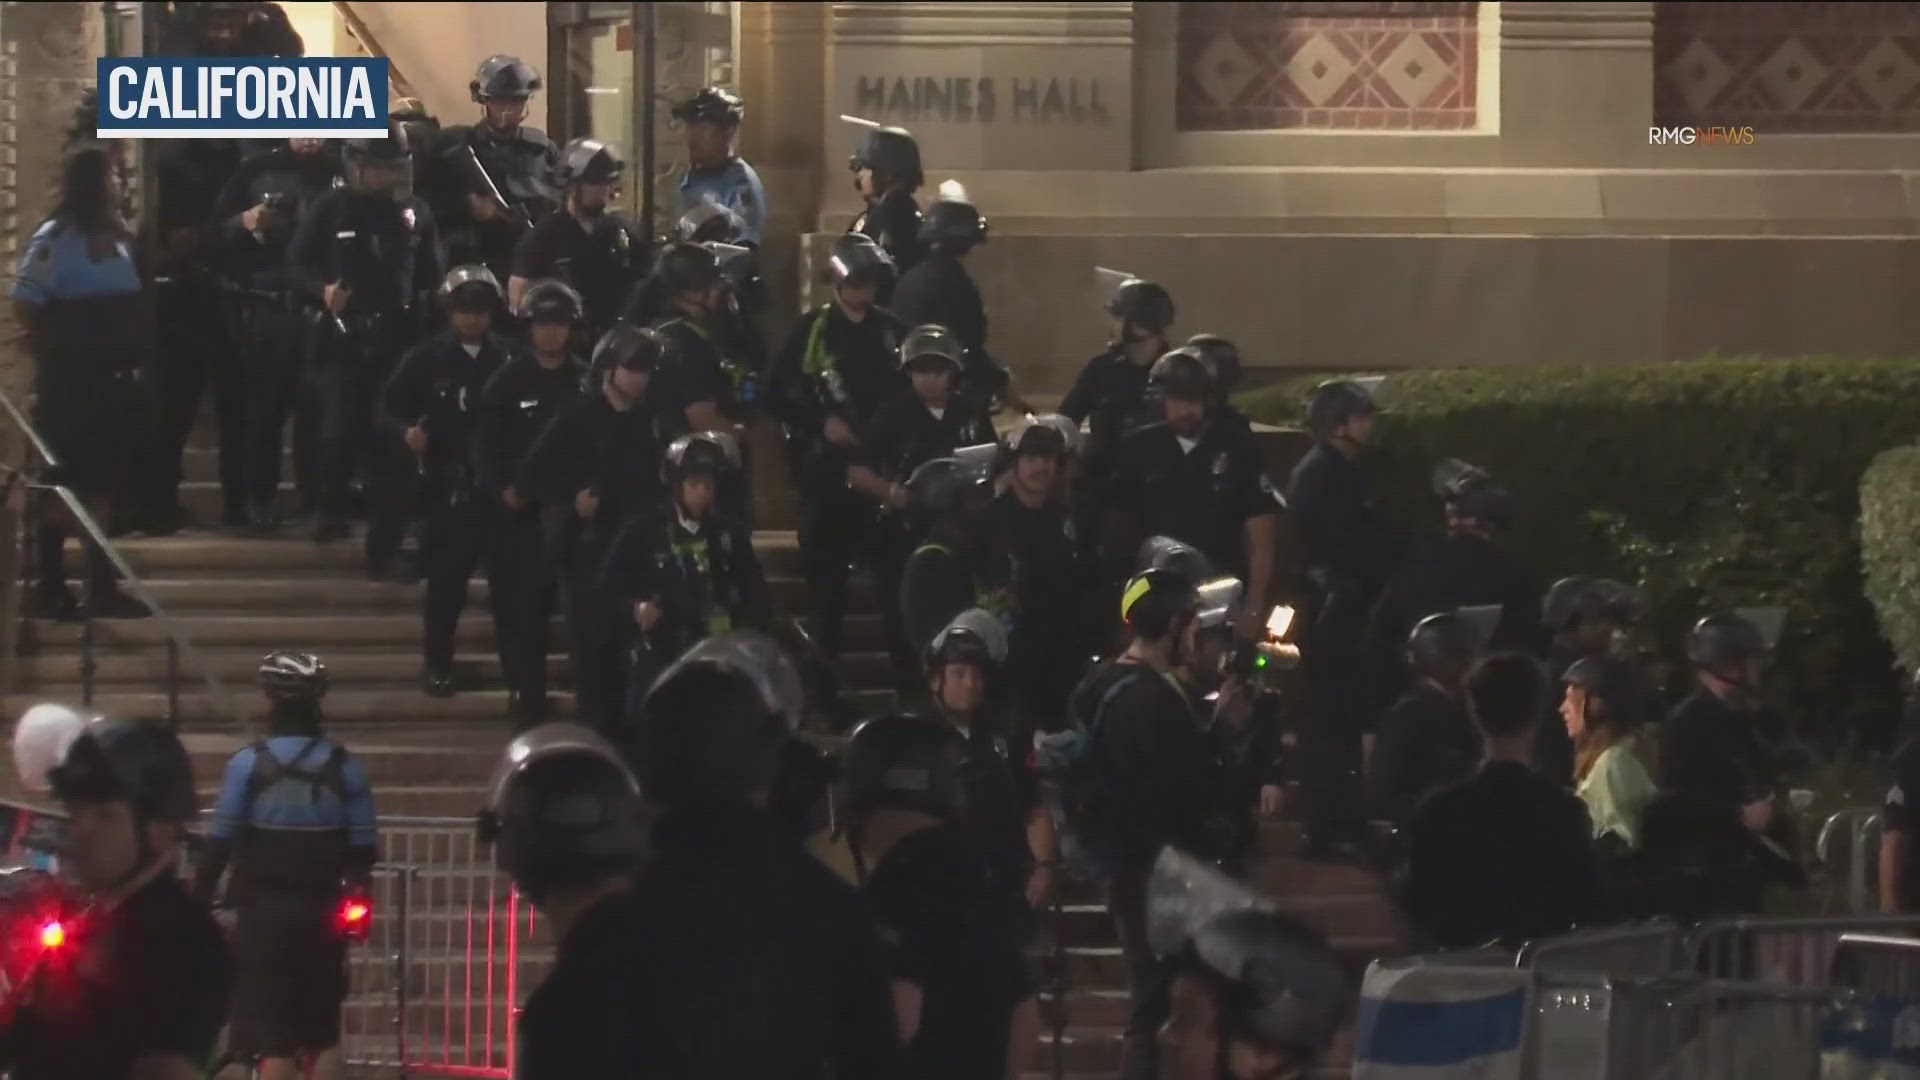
1787,67
1253,66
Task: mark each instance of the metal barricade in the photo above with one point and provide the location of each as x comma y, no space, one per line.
1849,844
1877,964
448,970
1783,952
1645,951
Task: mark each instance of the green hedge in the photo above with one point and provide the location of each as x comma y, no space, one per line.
1711,483
1890,547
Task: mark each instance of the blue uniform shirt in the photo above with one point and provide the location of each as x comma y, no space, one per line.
735,186
57,266
299,814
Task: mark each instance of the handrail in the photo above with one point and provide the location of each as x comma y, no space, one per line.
179,646
362,33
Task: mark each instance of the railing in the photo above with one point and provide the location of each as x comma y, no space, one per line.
1855,831
1649,950
180,649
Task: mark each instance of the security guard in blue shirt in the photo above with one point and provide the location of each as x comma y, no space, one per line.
295,820
710,120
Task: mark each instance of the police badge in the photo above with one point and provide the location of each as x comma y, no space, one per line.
1220,463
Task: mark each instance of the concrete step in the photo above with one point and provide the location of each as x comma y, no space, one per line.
323,592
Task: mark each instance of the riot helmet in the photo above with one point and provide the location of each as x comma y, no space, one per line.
952,220
933,341
1725,643
289,675
588,161
714,726
470,288
1049,434
504,77
1573,600
364,152
1143,304
550,300
908,762
700,453
1222,356
709,222
892,154
1335,402
713,104
420,125
941,485
974,637
1471,494
1443,646
1166,553
857,261
563,810
1157,603
687,268
136,761
629,347
1182,375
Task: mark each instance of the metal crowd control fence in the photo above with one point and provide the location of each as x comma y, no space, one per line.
1784,952
1648,950
1877,964
1850,842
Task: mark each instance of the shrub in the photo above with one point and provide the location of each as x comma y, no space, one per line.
1713,483
1889,533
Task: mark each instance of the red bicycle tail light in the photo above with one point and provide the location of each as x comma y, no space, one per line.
53,934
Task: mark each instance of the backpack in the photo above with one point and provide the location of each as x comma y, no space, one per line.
1088,843
269,771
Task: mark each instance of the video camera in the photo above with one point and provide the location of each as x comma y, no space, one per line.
1256,662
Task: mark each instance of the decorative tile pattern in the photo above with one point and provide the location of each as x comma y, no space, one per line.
1256,66
1788,67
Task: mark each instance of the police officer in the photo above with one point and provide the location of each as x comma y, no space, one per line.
1466,567
590,246
1030,568
515,407
366,256
731,896
930,420
596,463
1256,995
959,962
1003,809
940,579
1201,481
1583,617
1427,741
1223,357
433,401
485,233
1110,395
716,173
1718,746
256,216
838,366
938,290
685,571
886,173
1346,560
715,370
296,820
517,162
569,825
142,989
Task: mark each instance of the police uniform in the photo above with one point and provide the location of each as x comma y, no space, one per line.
703,576
938,290
601,261
268,328
1110,397
489,243
437,388
1345,553
904,435
708,360
1426,742
1203,494
519,162
590,444
515,407
894,224
831,366
734,185
1458,571
147,976
1030,567
386,250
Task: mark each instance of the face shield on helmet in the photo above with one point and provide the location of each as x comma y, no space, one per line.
504,78
1166,553
974,636
857,262
924,343
563,809
1144,307
700,453
908,762
470,288
549,300
709,222
890,153
1334,403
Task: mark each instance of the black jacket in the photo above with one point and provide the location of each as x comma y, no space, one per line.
939,290
516,405
1030,557
1457,571
905,434
1507,854
894,224
601,262
1204,496
488,243
437,386
385,249
1344,546
520,163
692,577
832,366
1162,775
1110,395
260,261
711,360
1425,743
590,444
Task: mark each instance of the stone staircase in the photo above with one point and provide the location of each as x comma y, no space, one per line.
237,598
